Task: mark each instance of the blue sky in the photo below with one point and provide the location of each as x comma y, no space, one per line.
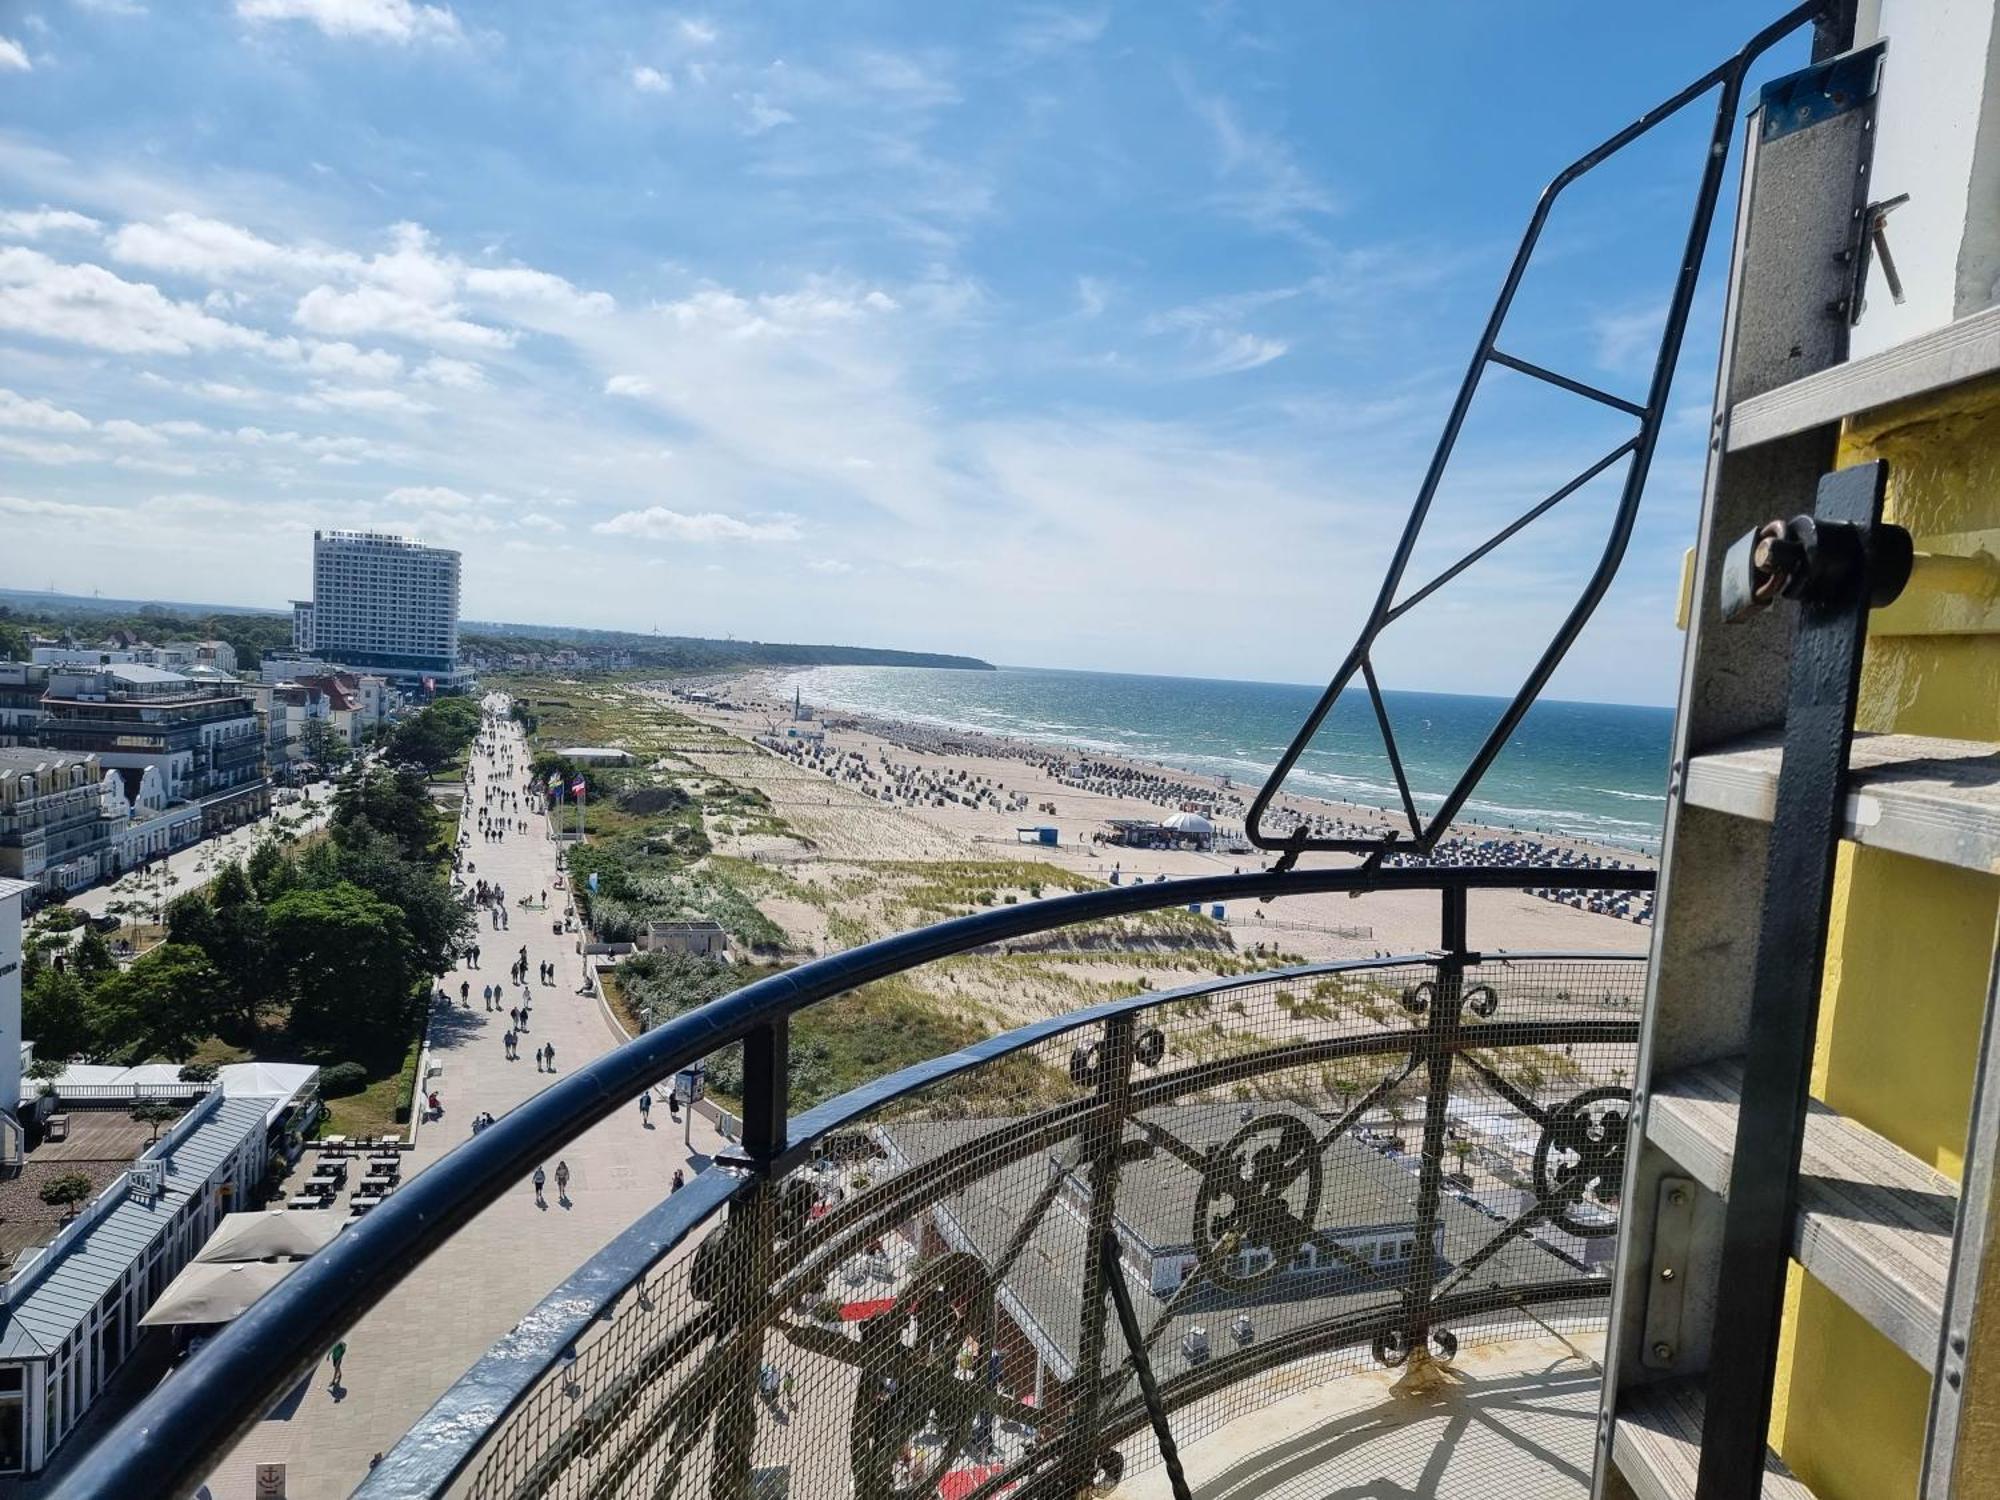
1088,335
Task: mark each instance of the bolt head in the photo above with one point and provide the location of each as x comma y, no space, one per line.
1663,1351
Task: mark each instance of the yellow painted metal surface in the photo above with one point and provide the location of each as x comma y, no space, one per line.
1909,954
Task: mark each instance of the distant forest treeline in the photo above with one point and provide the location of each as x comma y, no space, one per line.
254,633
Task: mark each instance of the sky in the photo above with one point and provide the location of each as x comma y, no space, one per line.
1093,335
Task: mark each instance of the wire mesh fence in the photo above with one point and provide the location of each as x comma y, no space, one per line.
1304,1175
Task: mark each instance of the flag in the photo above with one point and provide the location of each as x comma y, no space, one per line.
576,788
430,684
555,781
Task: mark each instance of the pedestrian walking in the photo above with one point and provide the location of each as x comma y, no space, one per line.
339,1353
538,1059
552,1057
539,1179
562,1182
678,1181
510,1039
646,1108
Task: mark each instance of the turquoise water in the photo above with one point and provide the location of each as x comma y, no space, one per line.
1591,770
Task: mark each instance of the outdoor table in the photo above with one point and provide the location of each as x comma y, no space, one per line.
305,1200
335,1142
361,1206
377,1183
56,1128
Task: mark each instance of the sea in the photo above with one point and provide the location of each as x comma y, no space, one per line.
1595,771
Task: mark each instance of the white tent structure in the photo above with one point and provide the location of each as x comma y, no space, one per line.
268,1235
206,1292
1188,822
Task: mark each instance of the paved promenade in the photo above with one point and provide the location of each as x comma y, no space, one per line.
447,1312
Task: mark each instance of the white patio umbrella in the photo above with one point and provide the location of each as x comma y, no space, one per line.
210,1293
260,1236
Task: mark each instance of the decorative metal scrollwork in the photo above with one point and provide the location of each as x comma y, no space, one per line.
1482,1000
1085,1060
1150,1047
1391,1348
1260,1191
910,1406
1580,1161
1416,999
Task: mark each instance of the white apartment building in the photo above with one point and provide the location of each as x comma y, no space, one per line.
387,604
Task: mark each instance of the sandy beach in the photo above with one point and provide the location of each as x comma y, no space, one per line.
872,792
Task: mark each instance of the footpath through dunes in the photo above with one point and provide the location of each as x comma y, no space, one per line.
469,1294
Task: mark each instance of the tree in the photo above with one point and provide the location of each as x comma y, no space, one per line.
155,1112
269,872
163,1004
13,642
65,1192
199,1072
344,954
45,1071
54,1013
91,959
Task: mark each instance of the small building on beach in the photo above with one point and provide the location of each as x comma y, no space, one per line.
703,938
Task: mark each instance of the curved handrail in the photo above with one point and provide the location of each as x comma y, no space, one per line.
438,1447
166,1444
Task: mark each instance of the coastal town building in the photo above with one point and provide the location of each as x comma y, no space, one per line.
142,821
71,1309
302,625
13,895
205,739
386,603
54,828
22,685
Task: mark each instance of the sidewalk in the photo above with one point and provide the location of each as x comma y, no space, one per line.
472,1291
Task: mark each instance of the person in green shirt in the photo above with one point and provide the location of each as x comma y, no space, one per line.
338,1352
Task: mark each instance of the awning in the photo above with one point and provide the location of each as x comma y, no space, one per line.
260,1236
209,1293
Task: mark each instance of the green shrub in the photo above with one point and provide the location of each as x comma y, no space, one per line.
341,1079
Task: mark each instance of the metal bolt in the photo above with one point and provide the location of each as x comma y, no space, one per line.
1666,1273
1678,1197
1952,1378
1958,1343
1663,1351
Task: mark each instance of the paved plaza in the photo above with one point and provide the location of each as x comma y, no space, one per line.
450,1309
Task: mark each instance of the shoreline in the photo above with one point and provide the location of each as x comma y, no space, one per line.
759,697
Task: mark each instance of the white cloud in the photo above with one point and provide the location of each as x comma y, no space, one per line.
536,521
454,374
346,359
760,114
697,32
13,57
33,223
830,565
1627,341
369,398
214,250
628,385
36,451
428,497
380,309
25,411
84,304
61,510
1045,30
657,523
651,80
398,21
521,284
1263,181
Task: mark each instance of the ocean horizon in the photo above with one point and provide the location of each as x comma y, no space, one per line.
1595,771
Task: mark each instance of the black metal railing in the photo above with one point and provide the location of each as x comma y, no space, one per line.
1078,1104
1635,452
